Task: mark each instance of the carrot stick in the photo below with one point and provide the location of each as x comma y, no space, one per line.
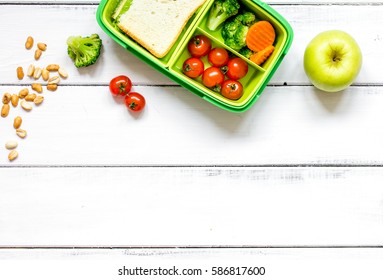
261,56
260,35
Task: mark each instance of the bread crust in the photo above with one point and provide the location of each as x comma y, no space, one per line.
145,41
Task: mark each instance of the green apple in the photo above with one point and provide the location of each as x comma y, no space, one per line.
332,60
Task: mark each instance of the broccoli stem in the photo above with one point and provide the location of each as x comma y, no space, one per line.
220,11
215,20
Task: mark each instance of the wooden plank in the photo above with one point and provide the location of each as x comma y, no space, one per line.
98,264
287,126
116,60
141,255
206,206
170,193
46,28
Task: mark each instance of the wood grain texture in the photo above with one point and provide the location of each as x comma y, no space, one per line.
208,206
299,264
300,168
288,125
363,22
144,255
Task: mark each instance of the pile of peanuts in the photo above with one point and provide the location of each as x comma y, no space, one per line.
32,95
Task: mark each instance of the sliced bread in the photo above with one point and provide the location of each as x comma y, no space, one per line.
156,24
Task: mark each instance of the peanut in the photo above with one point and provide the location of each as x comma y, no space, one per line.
31,70
37,73
26,105
42,46
20,73
37,87
17,122
23,93
38,53
13,155
52,87
45,74
21,133
11,144
29,43
5,110
53,67
54,80
38,100
63,73
14,100
30,97
6,98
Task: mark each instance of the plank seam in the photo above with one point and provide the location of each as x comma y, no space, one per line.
103,247
302,165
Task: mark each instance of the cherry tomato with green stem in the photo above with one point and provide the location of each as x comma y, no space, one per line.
232,89
199,46
213,78
135,102
193,67
120,85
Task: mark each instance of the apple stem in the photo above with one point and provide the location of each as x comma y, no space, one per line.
336,58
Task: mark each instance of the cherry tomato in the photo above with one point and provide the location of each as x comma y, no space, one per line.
193,67
120,85
218,57
213,78
236,68
135,101
199,46
232,89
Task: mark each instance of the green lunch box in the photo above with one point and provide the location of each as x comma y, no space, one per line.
171,64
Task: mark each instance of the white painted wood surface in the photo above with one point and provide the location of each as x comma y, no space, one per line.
286,263
300,168
191,206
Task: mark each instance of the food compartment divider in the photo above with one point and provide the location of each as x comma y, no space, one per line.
250,82
171,65
265,12
105,20
218,38
261,14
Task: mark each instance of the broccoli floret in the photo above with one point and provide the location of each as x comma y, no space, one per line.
234,31
84,50
220,11
247,18
246,52
234,35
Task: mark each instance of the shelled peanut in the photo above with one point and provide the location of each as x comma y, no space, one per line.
12,145
49,76
5,108
20,72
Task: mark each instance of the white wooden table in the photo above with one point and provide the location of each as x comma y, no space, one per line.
300,169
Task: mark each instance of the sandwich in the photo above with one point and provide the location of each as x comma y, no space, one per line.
155,24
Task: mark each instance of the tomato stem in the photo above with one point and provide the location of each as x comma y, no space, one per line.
187,68
197,41
121,88
132,105
224,69
216,88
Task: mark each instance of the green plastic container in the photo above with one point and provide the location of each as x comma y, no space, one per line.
171,65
